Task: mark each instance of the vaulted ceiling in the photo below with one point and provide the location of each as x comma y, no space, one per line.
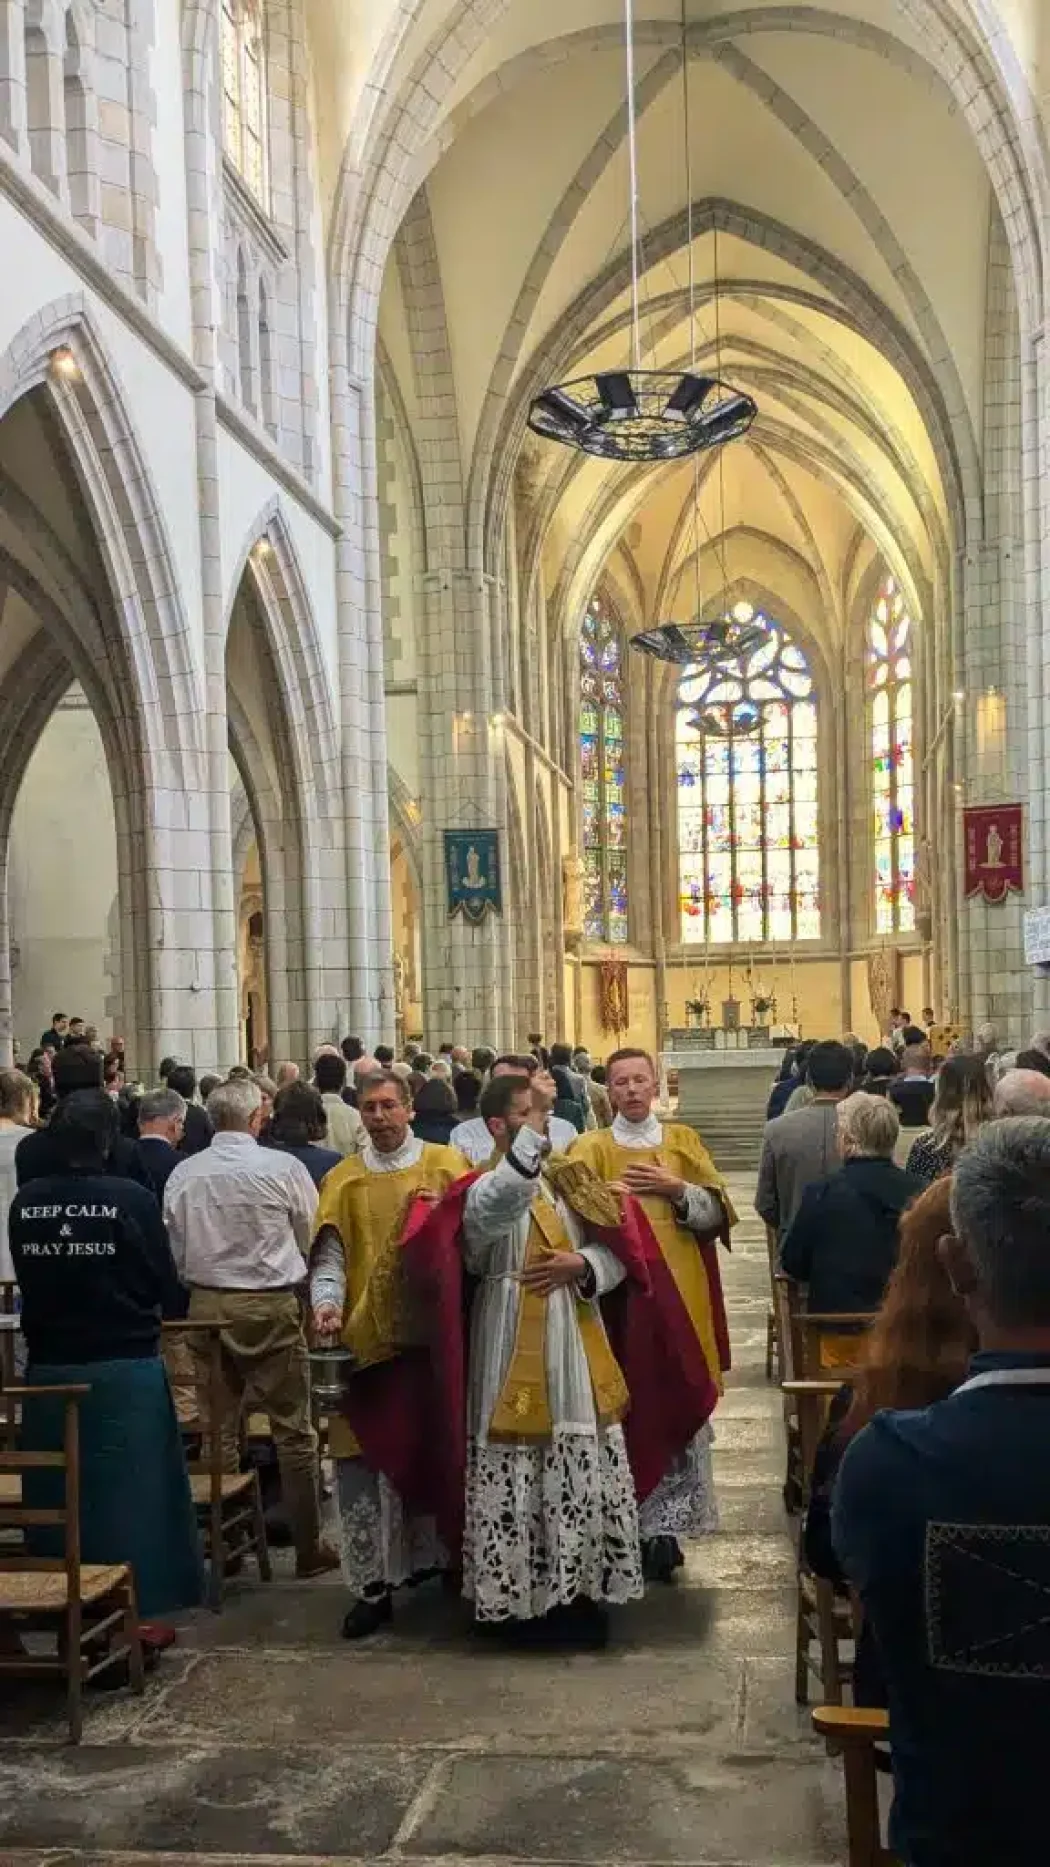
838,195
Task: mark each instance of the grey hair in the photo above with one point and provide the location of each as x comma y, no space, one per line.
1001,1210
232,1104
165,1104
871,1123
1022,1092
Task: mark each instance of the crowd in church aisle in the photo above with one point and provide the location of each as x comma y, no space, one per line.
520,1305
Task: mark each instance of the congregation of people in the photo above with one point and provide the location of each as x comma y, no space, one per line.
555,1474
511,1261
909,1194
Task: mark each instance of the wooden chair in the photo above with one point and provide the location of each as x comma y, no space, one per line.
83,1604
824,1619
856,1734
774,1352
8,1332
228,1504
831,1344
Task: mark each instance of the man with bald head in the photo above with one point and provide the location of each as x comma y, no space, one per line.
1022,1092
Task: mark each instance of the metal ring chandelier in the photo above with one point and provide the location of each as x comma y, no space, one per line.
719,644
642,415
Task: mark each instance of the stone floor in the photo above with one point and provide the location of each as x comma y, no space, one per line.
265,1739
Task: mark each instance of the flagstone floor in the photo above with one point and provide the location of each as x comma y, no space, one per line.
265,1739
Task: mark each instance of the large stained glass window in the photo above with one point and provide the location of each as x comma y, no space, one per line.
602,776
746,755
890,702
244,93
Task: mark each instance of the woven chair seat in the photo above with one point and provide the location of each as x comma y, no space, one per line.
10,1488
39,1591
234,1484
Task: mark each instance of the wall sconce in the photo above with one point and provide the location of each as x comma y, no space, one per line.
65,365
498,719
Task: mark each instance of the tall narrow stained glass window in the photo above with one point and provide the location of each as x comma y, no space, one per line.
890,703
244,93
602,776
748,831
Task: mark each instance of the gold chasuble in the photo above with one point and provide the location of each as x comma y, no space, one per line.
522,1411
683,1154
368,1210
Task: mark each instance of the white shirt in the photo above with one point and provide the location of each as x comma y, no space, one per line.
410,1151
474,1140
240,1216
346,1130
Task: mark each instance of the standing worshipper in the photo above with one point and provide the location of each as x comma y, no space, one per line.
96,1275
666,1167
161,1116
16,1114
803,1146
75,1068
359,1222
345,1132
472,1137
240,1218
299,1125
197,1129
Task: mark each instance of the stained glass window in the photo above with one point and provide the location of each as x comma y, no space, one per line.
604,839
746,758
244,93
890,711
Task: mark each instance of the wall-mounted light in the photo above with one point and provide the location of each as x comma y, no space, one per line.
64,364
959,696
498,719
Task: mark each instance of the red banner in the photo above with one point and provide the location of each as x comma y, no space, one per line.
993,837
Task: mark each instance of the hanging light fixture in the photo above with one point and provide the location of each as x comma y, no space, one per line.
638,414
736,634
720,644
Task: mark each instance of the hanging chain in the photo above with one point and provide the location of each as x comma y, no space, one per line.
632,149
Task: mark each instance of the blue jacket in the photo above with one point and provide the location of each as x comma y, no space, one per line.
941,1520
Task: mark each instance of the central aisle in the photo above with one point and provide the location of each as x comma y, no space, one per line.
266,1737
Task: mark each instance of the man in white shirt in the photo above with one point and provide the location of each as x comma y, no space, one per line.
240,1218
345,1128
473,1138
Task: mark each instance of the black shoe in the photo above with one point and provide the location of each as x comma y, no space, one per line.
661,1556
367,1617
587,1624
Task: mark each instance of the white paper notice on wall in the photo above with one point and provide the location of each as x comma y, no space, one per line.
1037,937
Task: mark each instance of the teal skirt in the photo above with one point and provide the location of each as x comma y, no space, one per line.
135,1503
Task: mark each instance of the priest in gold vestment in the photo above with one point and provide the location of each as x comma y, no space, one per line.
667,1168
551,1530
360,1218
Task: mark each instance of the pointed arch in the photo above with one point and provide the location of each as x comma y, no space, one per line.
306,798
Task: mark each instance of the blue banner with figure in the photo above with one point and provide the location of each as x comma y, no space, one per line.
473,881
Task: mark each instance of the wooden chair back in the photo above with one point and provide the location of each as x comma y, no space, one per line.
855,1732
8,1331
812,1399
82,1648
228,1503
831,1344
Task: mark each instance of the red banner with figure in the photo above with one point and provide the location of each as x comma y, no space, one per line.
993,841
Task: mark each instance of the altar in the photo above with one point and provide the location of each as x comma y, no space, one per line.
724,1080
